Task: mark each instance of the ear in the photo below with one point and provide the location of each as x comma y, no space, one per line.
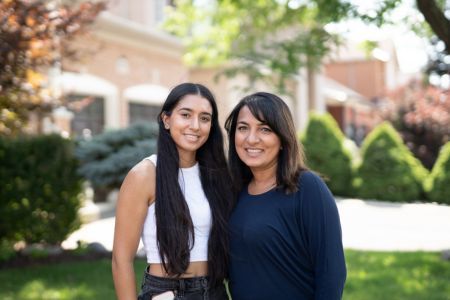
165,119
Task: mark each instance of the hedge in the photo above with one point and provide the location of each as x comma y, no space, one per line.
389,171
323,142
40,189
438,182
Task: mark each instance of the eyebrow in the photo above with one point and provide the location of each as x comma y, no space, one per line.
190,110
259,124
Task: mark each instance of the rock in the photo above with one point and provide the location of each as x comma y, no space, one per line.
97,248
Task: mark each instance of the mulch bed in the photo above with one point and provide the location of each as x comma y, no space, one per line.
21,260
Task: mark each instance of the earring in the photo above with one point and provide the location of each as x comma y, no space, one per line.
166,126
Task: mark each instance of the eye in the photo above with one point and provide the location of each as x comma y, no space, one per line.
266,129
205,119
242,128
185,115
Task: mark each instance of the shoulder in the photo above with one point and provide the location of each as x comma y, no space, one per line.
310,180
141,180
143,170
312,188
152,158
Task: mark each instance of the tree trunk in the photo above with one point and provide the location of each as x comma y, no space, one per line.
435,17
311,79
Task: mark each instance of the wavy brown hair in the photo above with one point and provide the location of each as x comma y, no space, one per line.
272,111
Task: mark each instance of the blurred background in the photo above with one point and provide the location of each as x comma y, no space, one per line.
82,82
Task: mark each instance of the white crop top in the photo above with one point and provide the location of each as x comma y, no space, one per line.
189,179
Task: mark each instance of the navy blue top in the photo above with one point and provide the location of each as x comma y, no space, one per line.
287,246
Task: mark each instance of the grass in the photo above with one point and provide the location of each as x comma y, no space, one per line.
74,280
396,275
371,275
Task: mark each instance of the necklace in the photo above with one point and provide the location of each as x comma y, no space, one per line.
253,189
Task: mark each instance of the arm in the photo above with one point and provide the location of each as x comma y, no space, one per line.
136,194
324,237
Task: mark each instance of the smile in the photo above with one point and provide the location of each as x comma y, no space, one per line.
192,137
253,150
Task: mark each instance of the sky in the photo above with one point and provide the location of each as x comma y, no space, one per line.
411,49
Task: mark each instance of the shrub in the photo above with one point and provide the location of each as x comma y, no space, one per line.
40,189
325,152
107,158
421,114
388,170
438,182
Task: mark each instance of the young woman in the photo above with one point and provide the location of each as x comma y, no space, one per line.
178,201
285,240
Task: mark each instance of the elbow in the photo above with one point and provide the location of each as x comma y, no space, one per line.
119,263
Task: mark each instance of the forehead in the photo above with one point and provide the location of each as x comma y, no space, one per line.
245,115
194,103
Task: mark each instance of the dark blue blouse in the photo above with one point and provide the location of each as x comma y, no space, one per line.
287,246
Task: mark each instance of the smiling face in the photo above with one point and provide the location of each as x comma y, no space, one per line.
256,144
189,123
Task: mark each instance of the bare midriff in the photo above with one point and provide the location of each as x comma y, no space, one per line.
195,269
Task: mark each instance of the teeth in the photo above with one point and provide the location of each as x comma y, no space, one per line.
254,150
191,137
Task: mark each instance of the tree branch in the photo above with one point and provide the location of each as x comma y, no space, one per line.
436,19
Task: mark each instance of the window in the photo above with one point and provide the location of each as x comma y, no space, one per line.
159,10
143,112
89,114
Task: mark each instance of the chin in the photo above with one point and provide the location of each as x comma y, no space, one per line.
191,147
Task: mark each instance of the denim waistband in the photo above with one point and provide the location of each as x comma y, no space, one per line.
179,284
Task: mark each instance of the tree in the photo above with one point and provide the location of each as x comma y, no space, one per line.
421,114
271,40
34,35
434,15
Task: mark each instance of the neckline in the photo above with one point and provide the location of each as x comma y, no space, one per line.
261,194
195,166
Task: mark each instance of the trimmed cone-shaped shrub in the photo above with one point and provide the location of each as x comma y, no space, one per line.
438,183
323,142
389,171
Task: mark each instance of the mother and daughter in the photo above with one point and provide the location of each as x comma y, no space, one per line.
264,222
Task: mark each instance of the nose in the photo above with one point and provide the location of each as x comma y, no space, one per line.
252,137
195,124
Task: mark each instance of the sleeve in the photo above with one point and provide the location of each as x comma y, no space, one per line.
321,225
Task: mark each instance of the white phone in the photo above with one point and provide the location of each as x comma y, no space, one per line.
169,295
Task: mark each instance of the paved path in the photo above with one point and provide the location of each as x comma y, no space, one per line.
366,225
373,225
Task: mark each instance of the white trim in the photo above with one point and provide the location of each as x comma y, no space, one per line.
82,83
150,94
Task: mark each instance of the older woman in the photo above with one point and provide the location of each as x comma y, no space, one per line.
285,231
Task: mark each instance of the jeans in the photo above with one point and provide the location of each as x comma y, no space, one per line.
195,288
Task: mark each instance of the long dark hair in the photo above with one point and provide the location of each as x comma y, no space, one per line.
272,111
174,227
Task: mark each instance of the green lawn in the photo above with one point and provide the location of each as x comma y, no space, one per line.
396,275
371,275
74,281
